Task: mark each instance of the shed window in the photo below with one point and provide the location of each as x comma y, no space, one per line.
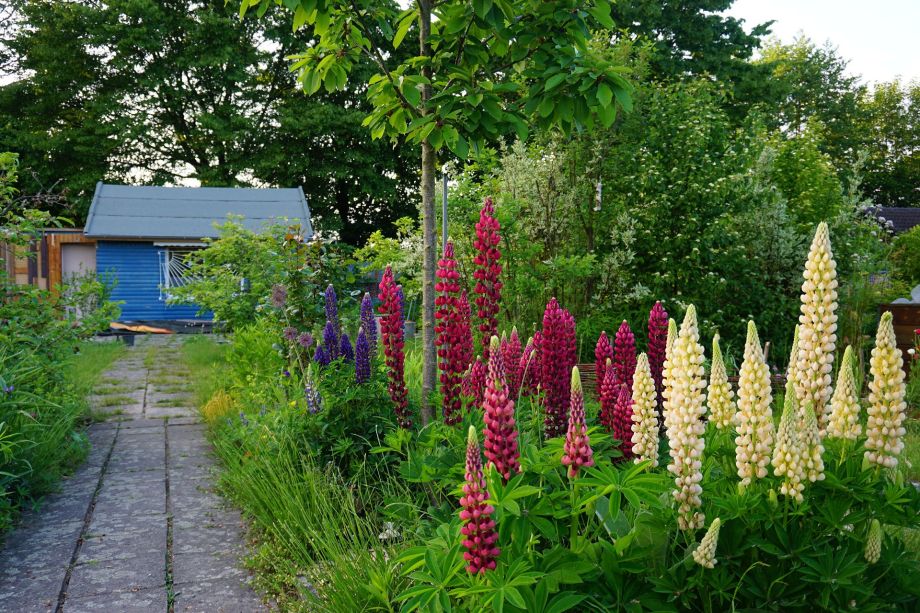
175,265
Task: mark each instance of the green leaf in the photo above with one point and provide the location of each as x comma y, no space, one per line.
564,601
604,95
403,28
601,12
411,92
554,81
460,147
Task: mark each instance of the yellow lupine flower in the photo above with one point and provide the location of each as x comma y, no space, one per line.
885,426
787,455
644,415
685,421
812,449
817,326
705,554
666,369
754,418
844,417
720,397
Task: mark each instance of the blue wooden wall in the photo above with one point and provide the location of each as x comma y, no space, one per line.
135,269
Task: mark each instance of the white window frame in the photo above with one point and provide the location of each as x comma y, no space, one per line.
173,269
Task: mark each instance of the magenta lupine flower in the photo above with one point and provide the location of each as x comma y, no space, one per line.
622,420
393,343
279,296
369,323
603,353
488,272
531,371
608,397
500,434
331,340
657,345
624,351
557,357
321,356
511,358
465,332
577,448
448,333
478,526
346,351
362,358
474,385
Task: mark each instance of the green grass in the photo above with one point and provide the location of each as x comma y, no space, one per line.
205,363
911,454
85,368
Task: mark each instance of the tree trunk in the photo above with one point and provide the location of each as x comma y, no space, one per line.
429,367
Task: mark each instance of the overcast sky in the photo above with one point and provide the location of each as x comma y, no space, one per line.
880,38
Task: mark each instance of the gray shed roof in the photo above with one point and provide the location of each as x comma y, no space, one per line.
133,211
900,219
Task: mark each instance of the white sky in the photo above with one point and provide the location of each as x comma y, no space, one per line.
880,38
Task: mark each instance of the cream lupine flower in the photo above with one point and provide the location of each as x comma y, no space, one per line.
811,447
787,456
754,419
793,357
705,554
666,369
885,426
818,326
844,418
873,549
685,421
720,397
644,415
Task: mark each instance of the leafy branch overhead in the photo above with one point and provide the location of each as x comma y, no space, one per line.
489,67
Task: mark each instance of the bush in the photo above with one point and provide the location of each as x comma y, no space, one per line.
905,256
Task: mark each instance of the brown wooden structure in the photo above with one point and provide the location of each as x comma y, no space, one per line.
40,263
906,319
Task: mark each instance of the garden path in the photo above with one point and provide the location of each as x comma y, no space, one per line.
138,527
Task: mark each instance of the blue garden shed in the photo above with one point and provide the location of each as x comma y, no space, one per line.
143,235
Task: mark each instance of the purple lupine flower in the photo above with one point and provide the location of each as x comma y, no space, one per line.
243,419
286,372
279,295
313,397
332,307
321,356
402,300
8,389
305,340
368,322
290,334
331,340
346,351
362,358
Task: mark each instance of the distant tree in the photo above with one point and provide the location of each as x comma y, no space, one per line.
484,69
889,123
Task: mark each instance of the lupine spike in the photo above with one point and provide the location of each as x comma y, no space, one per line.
873,551
478,528
671,340
474,385
622,420
530,366
685,410
644,414
844,419
818,326
705,554
885,425
557,357
657,346
488,271
511,357
721,397
346,351
331,341
369,322
500,435
754,419
448,335
362,358
321,356
577,448
393,346
787,455
812,449
624,351
603,353
608,397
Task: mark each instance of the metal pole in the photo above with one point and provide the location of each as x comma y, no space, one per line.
444,212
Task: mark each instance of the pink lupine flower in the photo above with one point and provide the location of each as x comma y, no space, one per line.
447,331
657,345
624,351
511,358
478,526
530,366
500,434
622,420
488,272
603,353
557,357
392,336
608,397
465,332
474,385
577,448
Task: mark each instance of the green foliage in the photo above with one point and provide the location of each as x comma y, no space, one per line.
905,256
